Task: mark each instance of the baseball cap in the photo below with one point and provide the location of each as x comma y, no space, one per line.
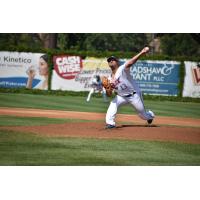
112,58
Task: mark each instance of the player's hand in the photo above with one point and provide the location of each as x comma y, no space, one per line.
106,84
145,50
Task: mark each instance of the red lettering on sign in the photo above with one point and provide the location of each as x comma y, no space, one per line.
196,75
66,66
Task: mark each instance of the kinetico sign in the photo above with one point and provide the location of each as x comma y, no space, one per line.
21,69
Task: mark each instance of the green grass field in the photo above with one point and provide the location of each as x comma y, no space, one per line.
28,149
33,121
18,148
161,108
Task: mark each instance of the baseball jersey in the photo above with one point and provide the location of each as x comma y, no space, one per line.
96,84
124,84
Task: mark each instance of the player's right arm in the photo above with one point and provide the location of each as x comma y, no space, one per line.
133,60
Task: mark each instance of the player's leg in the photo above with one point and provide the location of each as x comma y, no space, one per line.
149,112
137,102
90,93
105,98
112,110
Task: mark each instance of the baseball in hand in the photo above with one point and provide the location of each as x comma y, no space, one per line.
146,49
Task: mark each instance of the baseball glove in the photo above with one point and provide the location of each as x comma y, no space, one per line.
106,84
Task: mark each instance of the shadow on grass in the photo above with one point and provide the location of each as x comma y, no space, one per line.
138,125
132,125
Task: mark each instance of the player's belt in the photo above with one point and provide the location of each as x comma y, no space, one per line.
129,95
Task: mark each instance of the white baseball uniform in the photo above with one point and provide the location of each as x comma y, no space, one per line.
128,92
97,86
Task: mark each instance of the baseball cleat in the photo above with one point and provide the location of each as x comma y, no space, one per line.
149,121
109,126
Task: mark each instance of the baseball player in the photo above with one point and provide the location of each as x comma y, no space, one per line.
97,86
127,90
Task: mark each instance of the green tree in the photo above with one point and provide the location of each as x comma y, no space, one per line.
102,41
71,41
18,40
115,41
28,40
180,44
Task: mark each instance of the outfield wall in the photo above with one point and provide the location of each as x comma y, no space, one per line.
71,72
153,77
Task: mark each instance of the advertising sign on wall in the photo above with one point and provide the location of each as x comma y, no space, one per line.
157,77
192,80
153,77
28,70
73,73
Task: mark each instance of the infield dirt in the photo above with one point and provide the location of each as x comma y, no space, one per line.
130,127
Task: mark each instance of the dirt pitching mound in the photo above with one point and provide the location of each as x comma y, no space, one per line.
130,132
159,131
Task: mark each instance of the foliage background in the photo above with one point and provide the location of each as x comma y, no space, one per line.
171,46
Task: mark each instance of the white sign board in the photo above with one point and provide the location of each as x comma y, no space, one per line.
192,80
73,73
28,70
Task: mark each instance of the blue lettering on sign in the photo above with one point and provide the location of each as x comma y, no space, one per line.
159,77
16,82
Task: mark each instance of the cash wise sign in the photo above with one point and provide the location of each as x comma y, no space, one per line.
67,66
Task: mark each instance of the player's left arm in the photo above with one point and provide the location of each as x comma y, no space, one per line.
133,60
